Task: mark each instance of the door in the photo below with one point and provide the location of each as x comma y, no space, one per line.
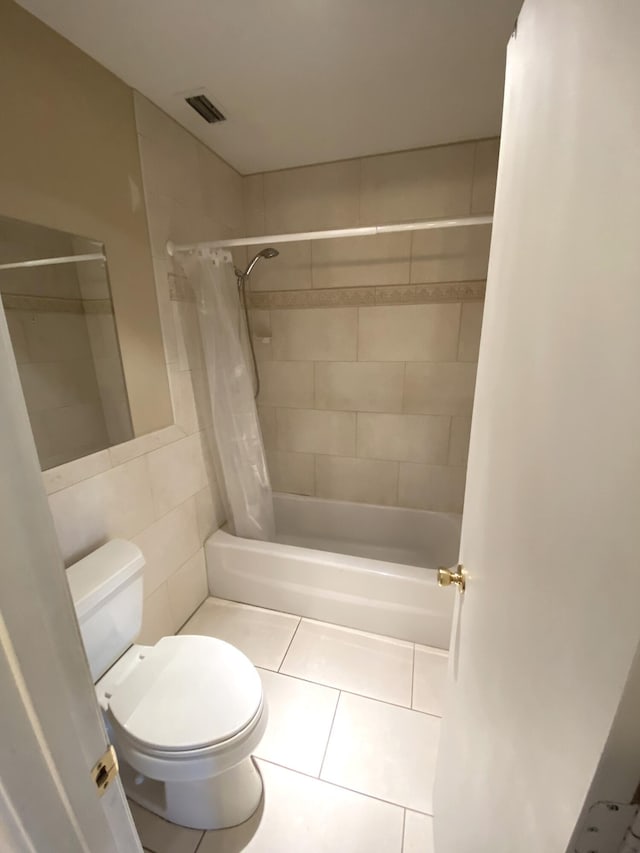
52,733
547,630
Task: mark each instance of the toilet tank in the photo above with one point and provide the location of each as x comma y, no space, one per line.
106,587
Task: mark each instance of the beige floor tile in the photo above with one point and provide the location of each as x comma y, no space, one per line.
160,836
300,717
305,815
429,680
383,751
374,666
263,635
418,833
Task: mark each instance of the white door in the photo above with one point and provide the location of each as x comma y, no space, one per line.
51,731
550,622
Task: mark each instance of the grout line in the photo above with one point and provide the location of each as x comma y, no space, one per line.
457,359
326,746
290,641
413,673
345,788
351,692
404,828
197,847
473,176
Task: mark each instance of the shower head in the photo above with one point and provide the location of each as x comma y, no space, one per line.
269,252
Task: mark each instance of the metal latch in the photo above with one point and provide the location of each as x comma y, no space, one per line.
105,770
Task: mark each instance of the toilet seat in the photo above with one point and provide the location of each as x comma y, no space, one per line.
188,696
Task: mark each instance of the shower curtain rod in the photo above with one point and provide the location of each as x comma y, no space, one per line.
49,262
366,231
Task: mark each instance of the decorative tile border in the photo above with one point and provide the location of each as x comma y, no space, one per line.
55,304
41,304
97,306
393,294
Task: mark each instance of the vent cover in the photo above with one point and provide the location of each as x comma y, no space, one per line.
202,105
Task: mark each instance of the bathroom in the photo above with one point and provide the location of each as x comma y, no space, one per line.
124,447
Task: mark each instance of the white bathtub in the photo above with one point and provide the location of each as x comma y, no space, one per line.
362,566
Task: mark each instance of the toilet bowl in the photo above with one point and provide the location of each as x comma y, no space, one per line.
184,715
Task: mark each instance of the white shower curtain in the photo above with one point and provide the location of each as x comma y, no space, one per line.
235,418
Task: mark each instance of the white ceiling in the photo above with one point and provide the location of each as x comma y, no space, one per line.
305,81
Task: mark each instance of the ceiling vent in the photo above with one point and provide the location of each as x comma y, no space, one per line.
202,105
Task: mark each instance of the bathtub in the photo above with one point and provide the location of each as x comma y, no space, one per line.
357,565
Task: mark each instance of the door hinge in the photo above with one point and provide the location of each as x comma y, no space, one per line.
609,828
105,770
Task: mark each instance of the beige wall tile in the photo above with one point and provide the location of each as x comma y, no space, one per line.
425,184
470,328
17,322
167,320
450,254
50,385
364,480
189,342
145,444
290,270
57,337
176,472
484,176
267,415
221,188
253,202
433,487
291,472
75,471
408,332
411,438
312,198
115,503
355,261
185,413
261,331
286,383
169,162
359,386
210,511
77,430
188,588
439,388
313,431
157,619
459,441
168,543
318,334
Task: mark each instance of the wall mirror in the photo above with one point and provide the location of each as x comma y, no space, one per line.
65,340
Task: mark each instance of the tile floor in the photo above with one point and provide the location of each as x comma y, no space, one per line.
348,758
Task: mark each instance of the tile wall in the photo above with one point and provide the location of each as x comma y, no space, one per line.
160,490
368,346
368,403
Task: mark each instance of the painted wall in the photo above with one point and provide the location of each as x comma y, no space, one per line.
368,346
70,161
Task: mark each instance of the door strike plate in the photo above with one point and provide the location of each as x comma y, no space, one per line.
105,770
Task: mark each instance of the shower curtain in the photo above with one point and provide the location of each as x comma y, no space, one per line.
235,418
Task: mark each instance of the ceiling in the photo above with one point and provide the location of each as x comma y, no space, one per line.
305,81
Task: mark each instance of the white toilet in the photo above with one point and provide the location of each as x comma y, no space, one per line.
184,715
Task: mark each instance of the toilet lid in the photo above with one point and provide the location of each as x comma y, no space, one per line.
188,692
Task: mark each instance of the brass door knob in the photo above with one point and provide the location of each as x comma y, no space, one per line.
456,576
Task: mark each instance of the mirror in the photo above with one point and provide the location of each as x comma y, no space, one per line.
65,340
